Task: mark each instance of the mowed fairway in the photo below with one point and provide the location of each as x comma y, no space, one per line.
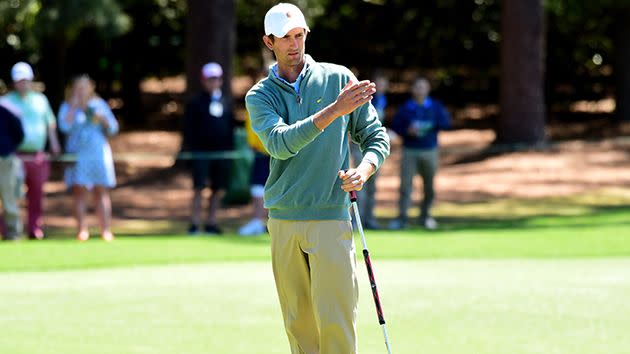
444,306
549,285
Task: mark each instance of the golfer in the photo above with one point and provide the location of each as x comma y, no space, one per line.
303,112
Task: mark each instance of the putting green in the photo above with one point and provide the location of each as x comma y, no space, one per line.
432,306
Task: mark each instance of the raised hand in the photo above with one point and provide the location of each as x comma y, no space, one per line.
354,95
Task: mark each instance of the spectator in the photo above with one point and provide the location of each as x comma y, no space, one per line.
366,197
88,121
38,122
303,112
208,128
11,173
418,122
260,171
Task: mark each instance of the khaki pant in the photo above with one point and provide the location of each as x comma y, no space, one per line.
314,265
11,178
425,163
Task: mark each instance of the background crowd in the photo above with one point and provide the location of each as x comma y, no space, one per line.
86,121
511,67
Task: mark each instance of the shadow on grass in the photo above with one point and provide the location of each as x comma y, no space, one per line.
592,216
602,215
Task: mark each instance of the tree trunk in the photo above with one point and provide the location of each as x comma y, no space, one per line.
522,117
53,65
622,64
131,57
210,36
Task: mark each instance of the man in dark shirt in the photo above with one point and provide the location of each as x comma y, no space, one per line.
208,129
418,122
11,135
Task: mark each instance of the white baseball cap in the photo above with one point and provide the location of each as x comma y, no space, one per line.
282,18
211,70
21,71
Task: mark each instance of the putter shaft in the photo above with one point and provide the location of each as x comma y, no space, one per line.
368,265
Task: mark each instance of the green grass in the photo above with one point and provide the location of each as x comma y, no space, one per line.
432,307
509,276
603,233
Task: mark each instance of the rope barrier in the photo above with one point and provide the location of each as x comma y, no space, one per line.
147,156
249,154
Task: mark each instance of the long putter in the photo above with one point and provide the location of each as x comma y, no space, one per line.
368,264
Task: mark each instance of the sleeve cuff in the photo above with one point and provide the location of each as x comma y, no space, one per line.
309,130
373,158
315,129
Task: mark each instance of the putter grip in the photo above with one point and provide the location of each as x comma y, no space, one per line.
353,196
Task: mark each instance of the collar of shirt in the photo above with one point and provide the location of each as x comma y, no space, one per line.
296,84
428,102
18,98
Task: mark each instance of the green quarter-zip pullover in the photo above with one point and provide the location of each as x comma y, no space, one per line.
303,182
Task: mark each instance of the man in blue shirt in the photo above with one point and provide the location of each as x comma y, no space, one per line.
418,122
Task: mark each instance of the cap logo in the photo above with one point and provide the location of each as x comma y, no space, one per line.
289,14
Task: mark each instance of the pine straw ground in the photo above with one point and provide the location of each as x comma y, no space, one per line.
475,179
